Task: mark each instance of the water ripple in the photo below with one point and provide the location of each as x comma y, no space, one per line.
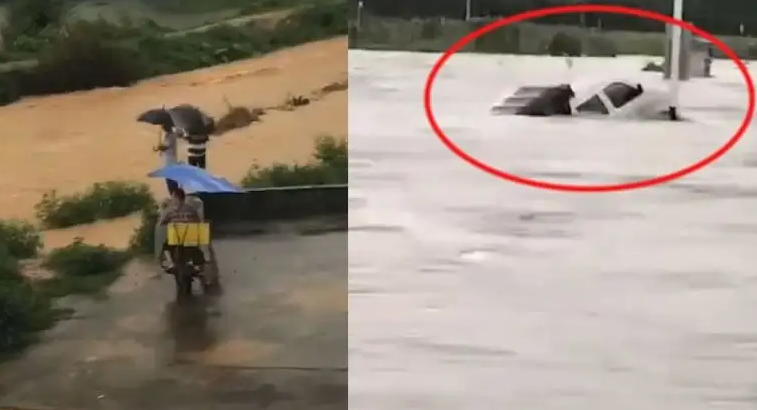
468,292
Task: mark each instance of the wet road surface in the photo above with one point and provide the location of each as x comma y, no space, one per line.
468,292
276,339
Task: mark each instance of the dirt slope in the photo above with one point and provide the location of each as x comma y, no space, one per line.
69,142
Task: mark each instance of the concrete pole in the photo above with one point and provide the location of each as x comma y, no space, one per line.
359,21
675,61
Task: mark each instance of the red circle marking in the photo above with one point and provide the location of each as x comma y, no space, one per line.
588,8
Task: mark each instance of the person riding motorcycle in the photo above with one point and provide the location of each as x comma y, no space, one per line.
179,208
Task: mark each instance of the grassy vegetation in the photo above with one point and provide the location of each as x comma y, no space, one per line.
222,44
204,6
329,166
24,311
106,200
99,54
82,269
142,241
19,239
27,307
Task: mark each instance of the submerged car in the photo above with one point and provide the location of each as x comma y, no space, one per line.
616,98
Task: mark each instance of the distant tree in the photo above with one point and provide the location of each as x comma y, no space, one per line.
30,17
563,44
719,17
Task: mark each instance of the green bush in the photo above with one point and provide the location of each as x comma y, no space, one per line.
641,45
24,46
20,239
218,45
9,267
332,152
260,6
223,44
599,46
30,17
328,167
23,310
431,29
81,259
287,175
563,44
84,60
23,313
49,39
142,241
309,24
83,268
105,200
751,51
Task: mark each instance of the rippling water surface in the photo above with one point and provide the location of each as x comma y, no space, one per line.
467,292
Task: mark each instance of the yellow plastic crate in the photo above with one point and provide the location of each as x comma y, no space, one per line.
188,234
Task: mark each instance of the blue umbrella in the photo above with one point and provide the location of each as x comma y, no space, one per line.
194,179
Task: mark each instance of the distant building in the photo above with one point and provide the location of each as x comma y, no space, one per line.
696,56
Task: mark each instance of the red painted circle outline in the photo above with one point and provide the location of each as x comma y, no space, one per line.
587,8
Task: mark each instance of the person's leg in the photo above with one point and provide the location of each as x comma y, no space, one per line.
202,161
198,256
162,250
167,261
199,262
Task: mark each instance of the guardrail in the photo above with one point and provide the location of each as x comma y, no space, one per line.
263,205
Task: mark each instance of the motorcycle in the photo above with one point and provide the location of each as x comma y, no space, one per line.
193,258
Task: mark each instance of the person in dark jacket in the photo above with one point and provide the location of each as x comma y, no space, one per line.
197,150
196,127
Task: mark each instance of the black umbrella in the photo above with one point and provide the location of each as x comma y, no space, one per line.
191,120
157,116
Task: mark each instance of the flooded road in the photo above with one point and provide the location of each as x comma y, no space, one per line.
468,292
276,339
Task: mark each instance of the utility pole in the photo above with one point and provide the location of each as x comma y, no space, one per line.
675,61
467,10
359,21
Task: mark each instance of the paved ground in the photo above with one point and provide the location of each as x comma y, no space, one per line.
276,339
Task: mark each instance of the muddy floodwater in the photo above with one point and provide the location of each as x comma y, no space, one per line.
467,292
276,338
